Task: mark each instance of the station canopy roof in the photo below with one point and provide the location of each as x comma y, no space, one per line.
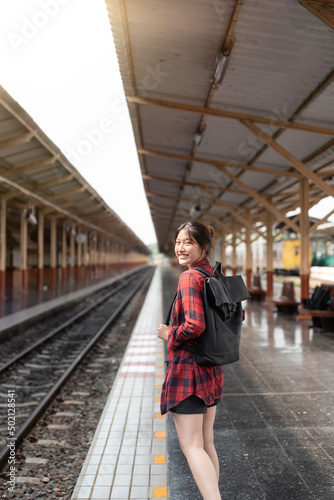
231,103
34,172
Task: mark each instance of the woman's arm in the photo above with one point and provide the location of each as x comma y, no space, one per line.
192,303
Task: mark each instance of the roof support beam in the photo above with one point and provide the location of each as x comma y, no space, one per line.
30,166
243,186
226,228
210,161
47,203
14,141
220,113
188,183
297,164
74,203
54,182
231,209
321,9
67,193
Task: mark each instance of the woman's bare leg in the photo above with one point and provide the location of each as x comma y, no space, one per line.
208,421
190,432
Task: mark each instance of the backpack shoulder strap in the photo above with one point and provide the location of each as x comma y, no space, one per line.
204,271
217,269
170,310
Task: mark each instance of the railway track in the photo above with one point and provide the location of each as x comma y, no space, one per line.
35,375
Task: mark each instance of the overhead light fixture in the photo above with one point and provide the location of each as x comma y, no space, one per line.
195,211
220,67
29,214
197,139
33,219
80,238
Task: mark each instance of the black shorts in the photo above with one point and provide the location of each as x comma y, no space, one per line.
192,405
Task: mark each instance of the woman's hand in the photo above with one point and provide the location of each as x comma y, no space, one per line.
163,332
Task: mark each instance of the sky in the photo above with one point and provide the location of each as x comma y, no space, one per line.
58,61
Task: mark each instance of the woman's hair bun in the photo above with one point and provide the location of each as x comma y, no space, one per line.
211,231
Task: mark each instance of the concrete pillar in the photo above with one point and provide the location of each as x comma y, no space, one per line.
304,239
269,253
3,238
24,251
248,263
53,251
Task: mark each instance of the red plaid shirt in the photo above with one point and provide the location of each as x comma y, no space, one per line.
184,376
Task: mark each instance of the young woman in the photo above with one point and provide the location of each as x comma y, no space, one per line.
190,391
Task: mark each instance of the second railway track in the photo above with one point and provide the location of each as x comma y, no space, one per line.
38,372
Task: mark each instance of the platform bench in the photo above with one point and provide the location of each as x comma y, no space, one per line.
320,319
257,292
287,303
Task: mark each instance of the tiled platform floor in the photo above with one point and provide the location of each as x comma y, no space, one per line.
274,430
127,458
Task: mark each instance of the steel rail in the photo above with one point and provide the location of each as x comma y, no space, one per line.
42,406
61,327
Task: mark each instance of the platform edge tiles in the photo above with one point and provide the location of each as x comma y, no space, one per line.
128,454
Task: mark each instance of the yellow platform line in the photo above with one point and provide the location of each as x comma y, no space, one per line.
160,434
160,492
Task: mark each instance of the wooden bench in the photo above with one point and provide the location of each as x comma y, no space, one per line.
287,303
257,292
320,318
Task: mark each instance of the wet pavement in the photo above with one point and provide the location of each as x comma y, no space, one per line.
274,429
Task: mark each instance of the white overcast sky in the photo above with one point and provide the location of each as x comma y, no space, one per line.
58,61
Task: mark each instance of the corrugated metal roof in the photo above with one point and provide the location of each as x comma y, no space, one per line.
33,168
280,67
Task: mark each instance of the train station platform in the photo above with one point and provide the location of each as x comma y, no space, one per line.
274,430
127,457
16,310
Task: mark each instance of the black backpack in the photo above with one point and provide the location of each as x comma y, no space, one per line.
319,299
222,296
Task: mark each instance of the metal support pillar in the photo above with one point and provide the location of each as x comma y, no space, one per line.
304,239
3,238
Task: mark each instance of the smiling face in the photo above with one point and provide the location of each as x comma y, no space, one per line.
188,250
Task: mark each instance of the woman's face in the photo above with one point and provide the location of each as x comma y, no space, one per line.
187,251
